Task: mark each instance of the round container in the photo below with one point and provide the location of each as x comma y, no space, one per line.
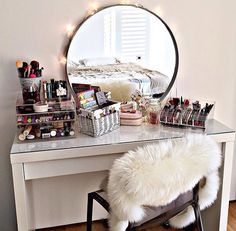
153,111
72,133
40,107
30,137
53,133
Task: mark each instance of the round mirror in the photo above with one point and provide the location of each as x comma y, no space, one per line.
124,48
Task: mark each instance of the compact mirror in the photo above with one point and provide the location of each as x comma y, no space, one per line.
124,48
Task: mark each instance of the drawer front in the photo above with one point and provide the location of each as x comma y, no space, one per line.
52,168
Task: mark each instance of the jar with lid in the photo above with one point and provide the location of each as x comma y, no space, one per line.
153,111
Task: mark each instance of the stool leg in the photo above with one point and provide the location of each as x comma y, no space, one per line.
190,227
198,216
130,227
89,212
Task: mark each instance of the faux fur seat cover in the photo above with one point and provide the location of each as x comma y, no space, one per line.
156,174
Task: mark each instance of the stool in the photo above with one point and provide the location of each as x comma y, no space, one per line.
166,176
154,215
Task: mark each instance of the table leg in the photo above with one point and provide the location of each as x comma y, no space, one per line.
20,197
228,149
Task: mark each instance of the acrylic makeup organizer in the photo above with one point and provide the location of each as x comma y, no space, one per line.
186,113
55,122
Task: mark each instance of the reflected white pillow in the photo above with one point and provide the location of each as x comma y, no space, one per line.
120,90
99,61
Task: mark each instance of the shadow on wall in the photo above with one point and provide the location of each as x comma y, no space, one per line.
233,180
8,91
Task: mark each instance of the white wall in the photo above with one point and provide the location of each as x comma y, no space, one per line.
204,30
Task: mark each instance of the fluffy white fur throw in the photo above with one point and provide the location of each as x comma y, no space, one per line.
157,174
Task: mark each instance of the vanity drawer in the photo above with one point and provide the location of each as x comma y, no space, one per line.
52,168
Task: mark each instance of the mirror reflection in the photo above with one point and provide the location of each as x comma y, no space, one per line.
123,48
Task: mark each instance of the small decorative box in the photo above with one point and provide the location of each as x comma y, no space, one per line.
131,118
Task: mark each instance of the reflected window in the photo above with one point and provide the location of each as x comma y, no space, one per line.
126,35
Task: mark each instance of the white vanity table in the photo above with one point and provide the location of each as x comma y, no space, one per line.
52,178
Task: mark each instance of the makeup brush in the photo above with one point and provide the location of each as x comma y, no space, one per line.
21,72
20,69
32,75
28,70
25,64
19,63
25,73
39,72
34,64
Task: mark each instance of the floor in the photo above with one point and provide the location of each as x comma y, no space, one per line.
98,226
232,217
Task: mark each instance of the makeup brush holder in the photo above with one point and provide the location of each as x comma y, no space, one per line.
31,89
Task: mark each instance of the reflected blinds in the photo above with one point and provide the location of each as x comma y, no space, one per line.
129,38
110,34
134,34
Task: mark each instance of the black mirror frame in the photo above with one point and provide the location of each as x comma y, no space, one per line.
136,6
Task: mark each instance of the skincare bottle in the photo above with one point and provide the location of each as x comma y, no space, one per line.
53,88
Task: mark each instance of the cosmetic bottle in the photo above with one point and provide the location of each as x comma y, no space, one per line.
45,90
53,88
66,129
30,97
72,115
67,132
153,111
49,91
38,133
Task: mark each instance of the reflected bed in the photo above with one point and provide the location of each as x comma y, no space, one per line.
147,81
